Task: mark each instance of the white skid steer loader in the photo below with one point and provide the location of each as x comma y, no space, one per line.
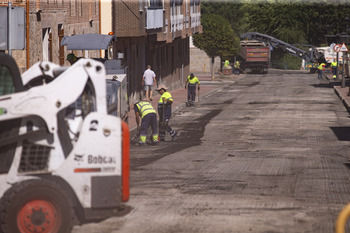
64,159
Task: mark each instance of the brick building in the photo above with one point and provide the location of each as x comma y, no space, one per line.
46,24
149,32
156,33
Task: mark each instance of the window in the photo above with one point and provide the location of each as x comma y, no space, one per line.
47,44
73,8
7,86
176,2
155,4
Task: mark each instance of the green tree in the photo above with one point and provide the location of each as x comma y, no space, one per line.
292,21
217,39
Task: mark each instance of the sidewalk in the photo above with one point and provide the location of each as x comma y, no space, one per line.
342,92
180,95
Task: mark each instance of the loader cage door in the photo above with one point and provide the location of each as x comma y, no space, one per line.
10,78
10,82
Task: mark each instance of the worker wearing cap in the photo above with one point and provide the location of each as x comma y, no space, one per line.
148,116
191,83
71,58
165,102
321,68
334,65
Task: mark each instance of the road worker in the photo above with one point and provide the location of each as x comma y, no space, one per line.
334,65
191,83
236,66
321,68
227,64
71,58
148,115
164,112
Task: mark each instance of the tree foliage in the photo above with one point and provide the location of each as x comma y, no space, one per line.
292,21
218,37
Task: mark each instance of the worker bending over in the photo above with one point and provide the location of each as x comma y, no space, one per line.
148,116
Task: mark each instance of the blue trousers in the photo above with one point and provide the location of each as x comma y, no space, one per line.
191,94
168,128
149,119
320,74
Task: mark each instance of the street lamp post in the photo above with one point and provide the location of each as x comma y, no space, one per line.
343,66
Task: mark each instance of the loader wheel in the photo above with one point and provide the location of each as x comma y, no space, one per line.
36,206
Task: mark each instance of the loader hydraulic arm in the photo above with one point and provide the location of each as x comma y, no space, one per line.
311,56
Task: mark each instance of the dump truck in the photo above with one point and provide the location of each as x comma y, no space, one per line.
64,158
256,56
313,56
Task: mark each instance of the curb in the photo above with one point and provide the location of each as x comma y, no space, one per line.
345,103
341,97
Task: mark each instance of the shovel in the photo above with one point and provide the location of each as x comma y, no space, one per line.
198,98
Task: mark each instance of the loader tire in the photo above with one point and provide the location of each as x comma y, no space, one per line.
36,206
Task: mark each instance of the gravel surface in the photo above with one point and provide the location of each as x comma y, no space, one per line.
264,154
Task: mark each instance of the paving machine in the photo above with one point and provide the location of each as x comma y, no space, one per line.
64,159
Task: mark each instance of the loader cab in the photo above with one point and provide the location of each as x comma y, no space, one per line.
116,73
10,82
10,78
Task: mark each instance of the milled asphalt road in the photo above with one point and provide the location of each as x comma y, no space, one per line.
264,154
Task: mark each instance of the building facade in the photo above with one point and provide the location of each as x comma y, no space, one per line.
47,22
149,32
156,33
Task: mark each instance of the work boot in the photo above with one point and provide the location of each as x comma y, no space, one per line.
173,136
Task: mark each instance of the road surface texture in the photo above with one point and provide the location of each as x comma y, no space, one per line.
264,154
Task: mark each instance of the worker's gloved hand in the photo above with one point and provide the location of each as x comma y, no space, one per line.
199,88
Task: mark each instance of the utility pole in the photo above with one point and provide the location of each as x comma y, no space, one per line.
9,28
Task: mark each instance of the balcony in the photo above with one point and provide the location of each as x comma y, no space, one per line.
195,20
176,23
154,18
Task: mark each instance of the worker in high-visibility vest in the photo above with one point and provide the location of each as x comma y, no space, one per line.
321,68
237,65
148,115
334,65
191,83
164,112
227,63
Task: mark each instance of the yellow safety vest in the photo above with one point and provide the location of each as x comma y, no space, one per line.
227,63
320,67
193,81
334,63
145,108
236,65
165,95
